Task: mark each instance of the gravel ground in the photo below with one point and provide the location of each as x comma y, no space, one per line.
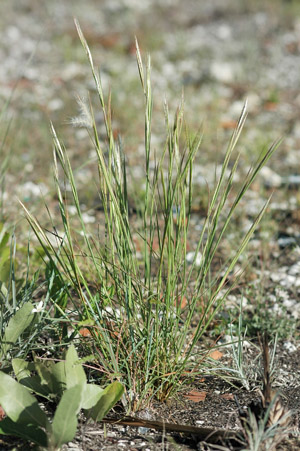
221,52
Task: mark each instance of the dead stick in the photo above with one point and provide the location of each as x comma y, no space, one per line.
203,432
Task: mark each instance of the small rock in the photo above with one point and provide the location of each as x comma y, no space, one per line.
276,276
296,129
30,190
72,210
200,422
222,71
247,344
236,108
223,31
290,347
286,241
55,104
288,303
288,281
295,269
253,102
71,71
142,430
270,178
81,133
88,219
272,298
190,256
280,206
292,180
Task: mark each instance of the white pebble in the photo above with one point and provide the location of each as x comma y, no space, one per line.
190,258
289,346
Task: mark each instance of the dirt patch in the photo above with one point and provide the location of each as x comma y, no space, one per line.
217,408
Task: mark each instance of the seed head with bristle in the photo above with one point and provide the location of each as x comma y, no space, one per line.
84,119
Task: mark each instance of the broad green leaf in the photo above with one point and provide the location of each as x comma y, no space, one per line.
110,395
31,433
74,371
4,237
64,424
20,367
44,371
59,377
19,405
33,383
91,395
16,326
3,289
5,264
22,370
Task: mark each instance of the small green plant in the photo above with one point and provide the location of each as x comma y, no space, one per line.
241,371
244,370
237,346
63,383
266,312
262,435
264,317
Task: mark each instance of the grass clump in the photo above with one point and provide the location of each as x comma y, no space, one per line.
135,299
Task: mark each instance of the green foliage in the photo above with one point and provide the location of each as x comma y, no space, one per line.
268,431
263,316
17,324
64,423
142,331
7,261
18,318
105,400
5,255
57,288
24,418
65,384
